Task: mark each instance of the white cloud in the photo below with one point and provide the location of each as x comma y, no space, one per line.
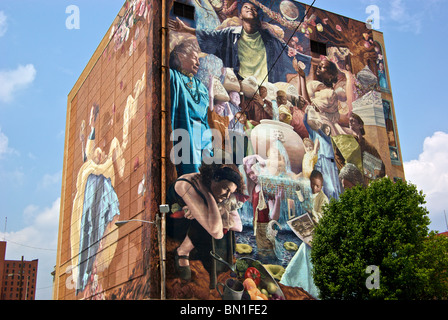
13,80
398,10
50,179
4,141
4,145
404,20
430,174
38,240
3,24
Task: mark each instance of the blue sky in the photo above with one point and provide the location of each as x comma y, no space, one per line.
41,59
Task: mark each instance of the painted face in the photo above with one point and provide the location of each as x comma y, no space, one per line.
323,70
99,156
190,63
222,190
263,92
235,98
309,146
354,124
219,108
316,185
282,100
248,12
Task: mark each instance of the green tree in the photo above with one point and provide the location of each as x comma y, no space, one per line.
383,225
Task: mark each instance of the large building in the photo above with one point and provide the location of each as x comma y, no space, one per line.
18,277
302,100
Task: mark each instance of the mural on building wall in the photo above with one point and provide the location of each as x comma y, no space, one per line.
105,139
96,205
248,86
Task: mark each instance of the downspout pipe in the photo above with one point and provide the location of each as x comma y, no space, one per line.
163,129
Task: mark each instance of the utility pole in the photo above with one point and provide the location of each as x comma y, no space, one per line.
21,280
4,234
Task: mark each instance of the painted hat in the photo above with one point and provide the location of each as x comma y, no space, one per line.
231,82
291,91
249,86
219,92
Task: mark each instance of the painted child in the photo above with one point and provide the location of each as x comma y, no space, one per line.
319,197
299,271
311,156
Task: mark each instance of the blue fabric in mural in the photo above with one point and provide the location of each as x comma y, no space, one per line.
326,163
99,209
382,79
189,105
224,44
299,272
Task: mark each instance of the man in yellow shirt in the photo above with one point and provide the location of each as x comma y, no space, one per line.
249,49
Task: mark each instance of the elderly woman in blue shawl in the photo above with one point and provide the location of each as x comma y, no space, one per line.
189,104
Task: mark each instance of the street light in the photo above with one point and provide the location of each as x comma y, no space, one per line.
121,223
160,225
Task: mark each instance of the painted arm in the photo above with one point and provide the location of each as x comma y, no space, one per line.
349,91
206,213
302,89
90,145
229,112
274,206
179,26
211,93
316,146
237,223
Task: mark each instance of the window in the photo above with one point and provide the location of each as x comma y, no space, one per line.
183,10
391,134
381,66
318,47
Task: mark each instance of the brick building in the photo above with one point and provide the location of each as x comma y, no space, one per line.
130,99
18,277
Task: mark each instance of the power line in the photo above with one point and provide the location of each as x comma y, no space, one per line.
276,60
289,40
31,247
278,57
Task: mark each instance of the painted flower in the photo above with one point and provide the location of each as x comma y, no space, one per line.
338,27
141,8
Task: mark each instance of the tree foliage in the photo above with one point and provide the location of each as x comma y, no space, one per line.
383,225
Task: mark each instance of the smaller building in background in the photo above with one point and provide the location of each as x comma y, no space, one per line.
18,277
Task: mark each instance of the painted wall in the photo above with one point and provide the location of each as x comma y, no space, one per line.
306,123
112,158
105,167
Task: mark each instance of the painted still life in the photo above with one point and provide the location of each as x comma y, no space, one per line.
283,95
